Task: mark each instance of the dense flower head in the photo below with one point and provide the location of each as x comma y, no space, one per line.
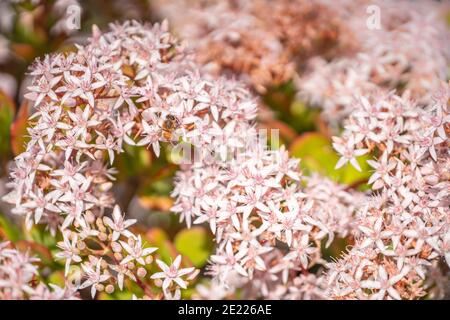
403,229
259,41
252,206
23,12
19,278
407,50
137,85
278,233
134,85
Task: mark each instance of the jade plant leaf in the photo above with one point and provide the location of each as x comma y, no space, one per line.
7,110
9,229
19,129
317,155
196,244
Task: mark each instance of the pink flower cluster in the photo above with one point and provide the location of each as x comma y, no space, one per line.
19,278
261,41
136,81
12,12
138,85
88,106
407,50
267,224
403,229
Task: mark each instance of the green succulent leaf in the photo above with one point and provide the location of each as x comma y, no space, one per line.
7,110
317,155
9,229
196,244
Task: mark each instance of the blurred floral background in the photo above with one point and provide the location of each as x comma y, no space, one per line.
304,63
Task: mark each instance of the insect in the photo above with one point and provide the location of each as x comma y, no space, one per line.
168,127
